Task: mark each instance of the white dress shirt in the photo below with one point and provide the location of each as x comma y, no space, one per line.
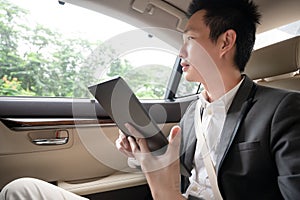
213,119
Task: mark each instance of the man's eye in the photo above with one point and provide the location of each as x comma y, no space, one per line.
187,38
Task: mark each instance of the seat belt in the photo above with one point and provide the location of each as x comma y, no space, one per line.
200,137
206,154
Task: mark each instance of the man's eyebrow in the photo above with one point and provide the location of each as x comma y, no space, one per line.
188,29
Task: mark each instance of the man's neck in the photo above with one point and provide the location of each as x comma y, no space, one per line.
220,87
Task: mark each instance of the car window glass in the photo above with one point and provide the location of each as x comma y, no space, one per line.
277,35
147,77
53,50
186,88
47,50
45,44
144,61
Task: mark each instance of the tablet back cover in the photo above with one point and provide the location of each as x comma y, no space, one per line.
121,104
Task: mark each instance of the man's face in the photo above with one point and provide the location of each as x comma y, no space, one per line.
198,51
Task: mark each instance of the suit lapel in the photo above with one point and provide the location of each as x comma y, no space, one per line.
189,138
233,114
190,151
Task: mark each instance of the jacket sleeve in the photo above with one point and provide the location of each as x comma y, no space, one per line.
186,127
285,145
194,198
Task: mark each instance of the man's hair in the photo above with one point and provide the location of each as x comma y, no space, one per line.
238,15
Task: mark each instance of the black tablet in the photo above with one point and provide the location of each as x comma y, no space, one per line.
121,104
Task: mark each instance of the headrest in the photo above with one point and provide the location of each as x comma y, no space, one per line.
276,59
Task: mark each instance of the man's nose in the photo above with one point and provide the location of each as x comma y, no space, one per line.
183,52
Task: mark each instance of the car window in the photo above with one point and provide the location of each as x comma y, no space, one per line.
186,88
143,60
53,50
277,35
147,77
46,46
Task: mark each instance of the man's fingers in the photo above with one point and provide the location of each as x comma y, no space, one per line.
134,146
123,145
135,133
124,141
175,135
120,147
143,145
139,138
174,139
127,153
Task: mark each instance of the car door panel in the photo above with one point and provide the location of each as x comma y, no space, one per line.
89,162
20,157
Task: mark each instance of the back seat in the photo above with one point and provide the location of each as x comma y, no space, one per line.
277,65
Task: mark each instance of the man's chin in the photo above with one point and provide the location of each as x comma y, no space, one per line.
189,78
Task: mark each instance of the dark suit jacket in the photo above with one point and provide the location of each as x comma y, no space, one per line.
262,160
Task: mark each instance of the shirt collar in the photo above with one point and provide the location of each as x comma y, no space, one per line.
224,101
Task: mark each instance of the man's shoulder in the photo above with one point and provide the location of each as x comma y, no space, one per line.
189,113
276,92
268,98
267,91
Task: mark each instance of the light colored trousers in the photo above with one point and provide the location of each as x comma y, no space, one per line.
34,189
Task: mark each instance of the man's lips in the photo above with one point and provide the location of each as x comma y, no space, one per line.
185,65
185,68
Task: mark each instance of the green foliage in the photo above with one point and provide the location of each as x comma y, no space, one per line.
119,68
10,29
12,87
149,81
43,61
185,88
37,61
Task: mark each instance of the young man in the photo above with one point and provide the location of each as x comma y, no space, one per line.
253,145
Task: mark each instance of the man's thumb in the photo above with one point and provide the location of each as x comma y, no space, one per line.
175,135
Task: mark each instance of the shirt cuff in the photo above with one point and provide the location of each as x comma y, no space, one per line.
133,163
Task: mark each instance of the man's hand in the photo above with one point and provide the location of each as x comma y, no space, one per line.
162,172
123,145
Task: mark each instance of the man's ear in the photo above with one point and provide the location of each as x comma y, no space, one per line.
227,42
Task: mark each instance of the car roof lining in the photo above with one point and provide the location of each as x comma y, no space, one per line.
288,11
122,10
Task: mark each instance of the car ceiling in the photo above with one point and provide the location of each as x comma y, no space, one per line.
287,12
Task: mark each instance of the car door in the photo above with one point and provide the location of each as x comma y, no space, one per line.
51,128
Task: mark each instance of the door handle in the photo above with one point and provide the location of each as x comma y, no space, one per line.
58,137
51,141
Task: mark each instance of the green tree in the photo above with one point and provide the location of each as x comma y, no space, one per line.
38,61
12,87
44,62
148,81
10,29
119,68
